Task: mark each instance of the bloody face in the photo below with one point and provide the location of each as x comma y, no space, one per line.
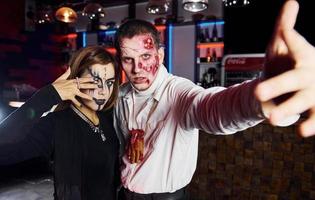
104,77
140,60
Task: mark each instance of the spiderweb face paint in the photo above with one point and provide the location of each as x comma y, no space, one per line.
103,76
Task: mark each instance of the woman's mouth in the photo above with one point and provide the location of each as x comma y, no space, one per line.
99,101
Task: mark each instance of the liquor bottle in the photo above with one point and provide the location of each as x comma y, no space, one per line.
208,55
207,35
200,35
214,37
214,56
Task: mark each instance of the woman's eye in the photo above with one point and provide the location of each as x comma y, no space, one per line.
109,83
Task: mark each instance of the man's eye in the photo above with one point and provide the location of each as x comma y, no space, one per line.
146,56
127,60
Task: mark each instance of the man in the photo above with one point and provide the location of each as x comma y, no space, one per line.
160,114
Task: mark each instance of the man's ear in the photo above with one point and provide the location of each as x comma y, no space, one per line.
161,55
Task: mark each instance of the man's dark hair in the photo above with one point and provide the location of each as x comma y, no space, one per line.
135,27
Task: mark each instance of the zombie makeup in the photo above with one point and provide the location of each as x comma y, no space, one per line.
140,60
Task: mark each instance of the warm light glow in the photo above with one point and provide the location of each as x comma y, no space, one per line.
66,14
210,45
160,28
111,50
60,38
123,77
16,104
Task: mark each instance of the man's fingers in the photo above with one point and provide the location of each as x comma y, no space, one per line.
307,128
296,43
132,157
284,83
137,156
298,103
288,15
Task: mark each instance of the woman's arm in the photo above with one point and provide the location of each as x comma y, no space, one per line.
23,134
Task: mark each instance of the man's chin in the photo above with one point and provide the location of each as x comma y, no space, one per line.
141,87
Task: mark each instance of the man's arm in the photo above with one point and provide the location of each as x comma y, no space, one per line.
217,110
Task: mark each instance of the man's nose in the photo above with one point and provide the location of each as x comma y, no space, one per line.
137,66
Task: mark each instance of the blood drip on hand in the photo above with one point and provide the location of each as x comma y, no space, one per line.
136,146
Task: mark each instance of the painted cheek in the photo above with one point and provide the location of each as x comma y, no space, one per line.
140,65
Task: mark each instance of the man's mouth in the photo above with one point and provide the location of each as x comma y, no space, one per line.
139,80
99,101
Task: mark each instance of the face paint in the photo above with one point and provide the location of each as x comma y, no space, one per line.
104,77
140,60
148,43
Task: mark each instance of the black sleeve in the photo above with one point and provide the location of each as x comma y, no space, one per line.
24,134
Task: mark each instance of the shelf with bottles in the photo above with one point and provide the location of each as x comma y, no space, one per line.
210,31
209,53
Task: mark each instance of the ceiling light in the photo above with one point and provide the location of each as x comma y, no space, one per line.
195,5
66,14
93,10
158,7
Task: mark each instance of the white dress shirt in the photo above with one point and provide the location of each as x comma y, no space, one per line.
171,133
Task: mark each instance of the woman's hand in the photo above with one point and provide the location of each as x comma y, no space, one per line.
69,89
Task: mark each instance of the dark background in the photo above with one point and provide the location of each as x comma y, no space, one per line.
248,29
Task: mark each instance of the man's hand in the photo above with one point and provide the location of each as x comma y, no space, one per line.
289,73
136,146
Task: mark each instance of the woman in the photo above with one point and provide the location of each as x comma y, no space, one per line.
79,135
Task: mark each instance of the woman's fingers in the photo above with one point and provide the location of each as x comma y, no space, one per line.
76,102
88,86
83,95
85,80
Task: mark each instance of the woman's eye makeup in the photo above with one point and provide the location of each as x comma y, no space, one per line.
99,81
96,78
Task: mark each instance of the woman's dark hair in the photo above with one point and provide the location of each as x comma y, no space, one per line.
81,60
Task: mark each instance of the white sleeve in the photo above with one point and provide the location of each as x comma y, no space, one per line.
217,110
